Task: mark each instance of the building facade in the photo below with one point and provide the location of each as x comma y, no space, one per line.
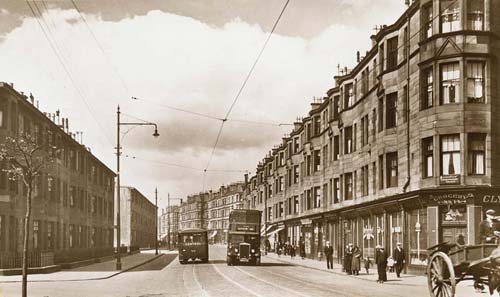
402,149
138,219
169,226
193,211
73,200
220,205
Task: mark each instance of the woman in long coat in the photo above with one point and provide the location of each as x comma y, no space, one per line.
356,261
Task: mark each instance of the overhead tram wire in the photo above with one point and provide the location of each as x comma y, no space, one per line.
243,86
99,45
57,53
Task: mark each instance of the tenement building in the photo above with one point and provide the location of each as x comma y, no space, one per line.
220,205
193,211
73,200
137,219
403,148
169,226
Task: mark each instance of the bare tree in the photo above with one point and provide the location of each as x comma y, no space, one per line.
26,158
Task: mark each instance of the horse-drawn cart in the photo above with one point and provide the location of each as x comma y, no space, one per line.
450,264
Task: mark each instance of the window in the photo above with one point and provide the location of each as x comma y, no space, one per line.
348,140
476,156
317,197
427,88
392,53
336,190
348,186
391,110
36,234
364,130
475,15
428,157
296,145
450,154
317,125
450,16
365,86
475,82
391,160
336,107
364,180
317,160
336,147
308,199
450,83
295,204
295,174
427,20
348,96
3,120
381,172
381,114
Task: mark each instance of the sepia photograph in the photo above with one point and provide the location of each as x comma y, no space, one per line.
220,148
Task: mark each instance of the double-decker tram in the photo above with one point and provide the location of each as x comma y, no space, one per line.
244,237
193,245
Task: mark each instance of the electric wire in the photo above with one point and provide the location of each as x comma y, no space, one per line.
57,52
99,45
178,109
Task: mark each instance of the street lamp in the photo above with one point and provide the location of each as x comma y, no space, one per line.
118,224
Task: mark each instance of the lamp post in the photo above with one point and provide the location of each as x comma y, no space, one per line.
118,153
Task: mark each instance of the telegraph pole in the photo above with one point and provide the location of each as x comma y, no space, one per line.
118,229
156,232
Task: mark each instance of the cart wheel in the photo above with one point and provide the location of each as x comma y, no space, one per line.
441,276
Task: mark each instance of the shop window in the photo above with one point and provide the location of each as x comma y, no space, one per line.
476,157
368,239
475,15
392,169
417,233
450,16
428,157
427,88
450,154
396,229
454,224
348,186
348,140
392,53
450,83
380,230
427,20
475,82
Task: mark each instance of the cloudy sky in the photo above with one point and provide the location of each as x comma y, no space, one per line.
187,54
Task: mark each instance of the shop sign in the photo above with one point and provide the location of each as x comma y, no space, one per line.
491,199
248,228
451,198
368,232
306,221
450,179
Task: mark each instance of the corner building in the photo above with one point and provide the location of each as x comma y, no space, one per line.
403,148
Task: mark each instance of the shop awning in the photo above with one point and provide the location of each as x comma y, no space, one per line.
275,231
164,236
269,228
213,234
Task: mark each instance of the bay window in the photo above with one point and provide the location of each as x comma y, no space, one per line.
450,83
475,82
427,20
450,16
450,154
427,88
428,157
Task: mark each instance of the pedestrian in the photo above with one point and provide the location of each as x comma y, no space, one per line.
367,265
381,261
286,249
399,259
356,261
292,251
302,249
390,264
328,251
279,248
348,259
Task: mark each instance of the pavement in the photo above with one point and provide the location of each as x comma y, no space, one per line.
94,271
274,277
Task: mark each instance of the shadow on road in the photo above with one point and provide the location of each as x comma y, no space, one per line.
157,264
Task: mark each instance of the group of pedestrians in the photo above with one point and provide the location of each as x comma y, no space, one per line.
290,249
352,259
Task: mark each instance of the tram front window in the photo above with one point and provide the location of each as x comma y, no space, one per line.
193,239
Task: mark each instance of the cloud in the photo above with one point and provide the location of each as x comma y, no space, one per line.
177,61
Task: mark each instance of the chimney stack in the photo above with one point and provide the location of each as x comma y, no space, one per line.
358,57
32,99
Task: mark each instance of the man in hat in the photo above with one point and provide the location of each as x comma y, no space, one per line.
487,230
399,259
328,250
381,261
348,258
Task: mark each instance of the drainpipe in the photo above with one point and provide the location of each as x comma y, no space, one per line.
408,177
